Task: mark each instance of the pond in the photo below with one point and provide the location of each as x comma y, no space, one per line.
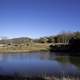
38,64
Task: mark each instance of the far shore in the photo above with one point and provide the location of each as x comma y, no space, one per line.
31,48
21,51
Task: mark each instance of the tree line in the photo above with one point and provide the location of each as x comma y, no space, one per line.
60,38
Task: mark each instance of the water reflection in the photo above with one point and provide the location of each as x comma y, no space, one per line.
75,60
38,64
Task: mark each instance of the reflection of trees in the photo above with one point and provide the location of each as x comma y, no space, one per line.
51,56
43,55
69,59
75,60
63,59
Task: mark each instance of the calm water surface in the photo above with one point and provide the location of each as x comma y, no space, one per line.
38,63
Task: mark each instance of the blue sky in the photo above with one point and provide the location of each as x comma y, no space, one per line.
36,18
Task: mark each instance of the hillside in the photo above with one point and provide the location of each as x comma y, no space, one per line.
42,44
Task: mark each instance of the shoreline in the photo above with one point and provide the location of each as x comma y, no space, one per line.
31,48
21,51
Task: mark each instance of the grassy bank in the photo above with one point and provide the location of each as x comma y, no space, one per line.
23,48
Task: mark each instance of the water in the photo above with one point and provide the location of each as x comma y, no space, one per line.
38,64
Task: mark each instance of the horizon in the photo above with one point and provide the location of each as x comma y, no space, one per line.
7,37
38,18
